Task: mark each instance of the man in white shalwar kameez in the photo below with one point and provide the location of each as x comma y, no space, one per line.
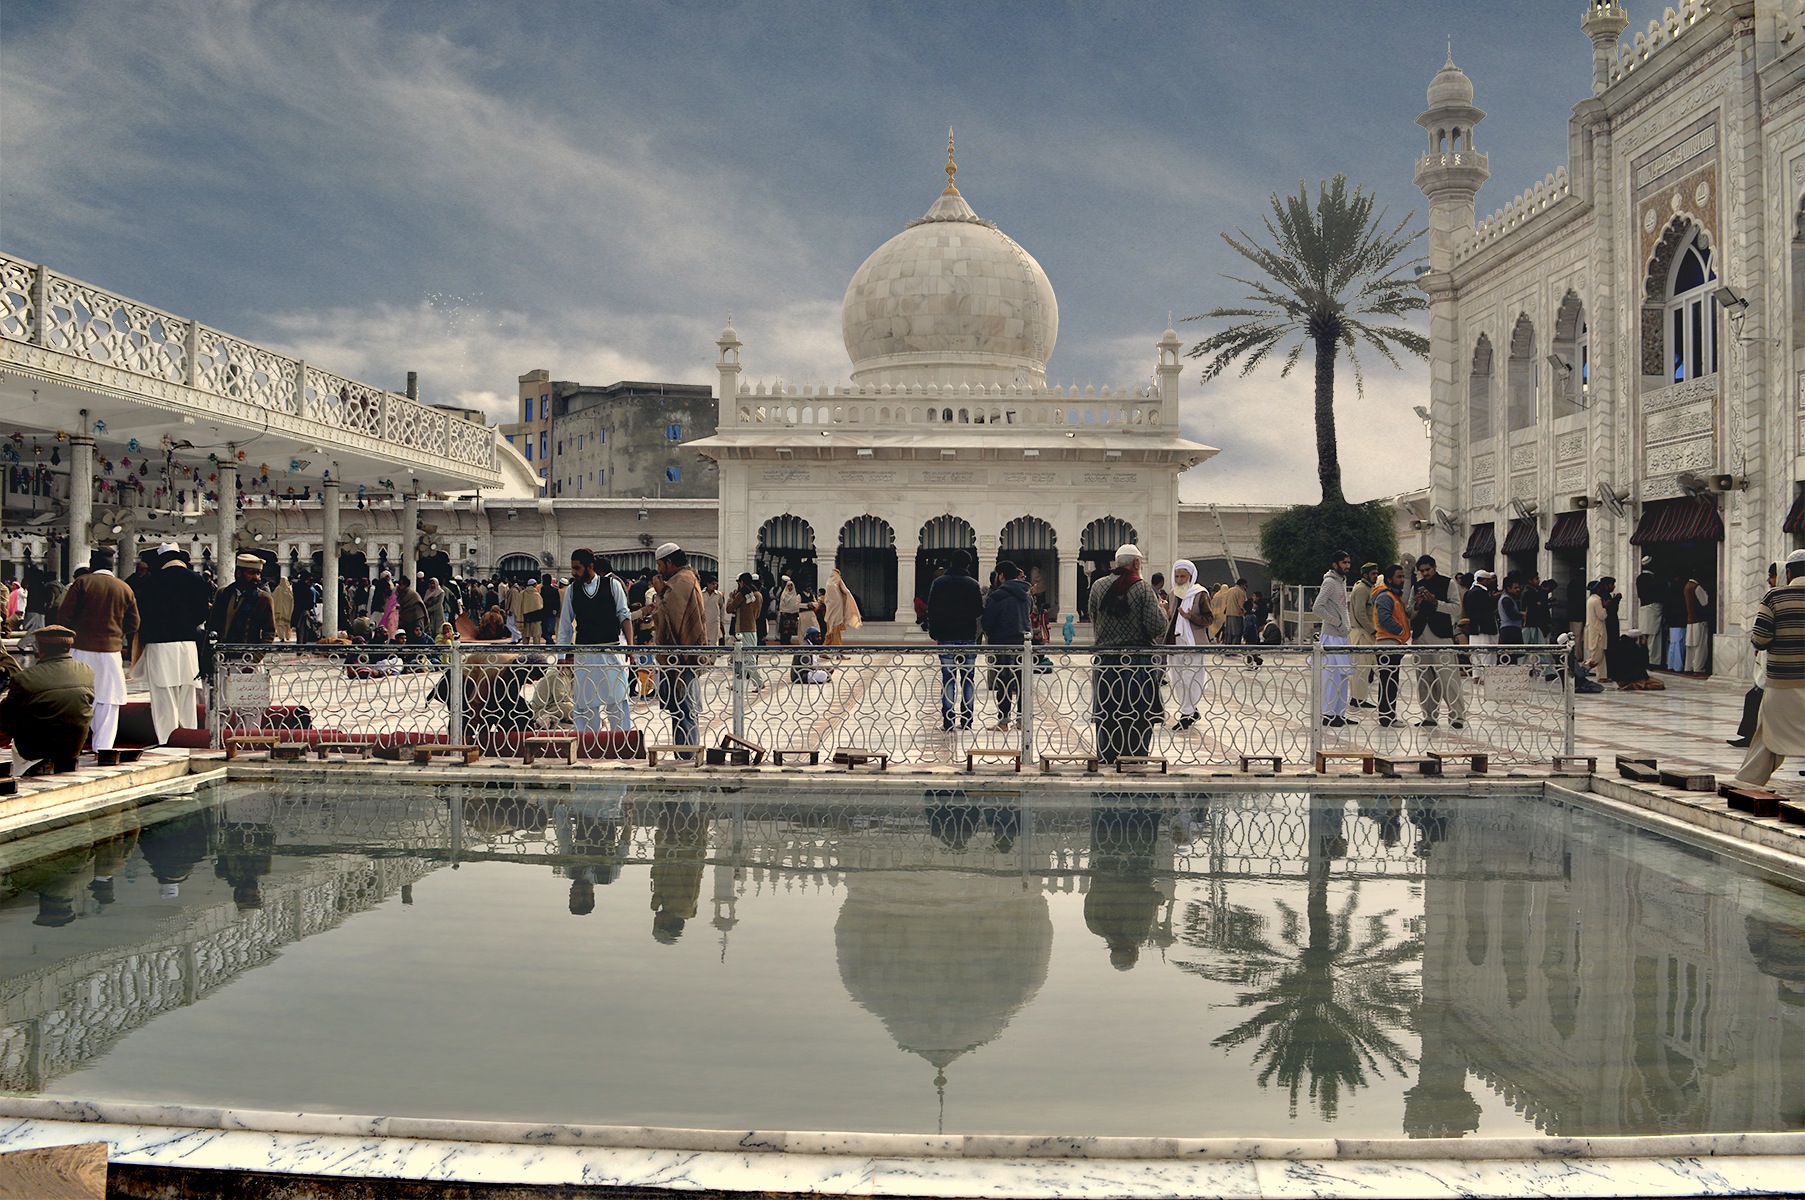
1190,615
103,612
173,602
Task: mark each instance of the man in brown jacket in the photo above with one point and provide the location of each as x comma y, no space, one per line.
48,705
679,621
101,609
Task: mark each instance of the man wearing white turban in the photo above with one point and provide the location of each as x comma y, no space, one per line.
1190,614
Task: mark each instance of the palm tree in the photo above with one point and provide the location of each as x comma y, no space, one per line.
1335,276
1328,999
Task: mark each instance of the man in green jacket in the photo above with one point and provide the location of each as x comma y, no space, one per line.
48,705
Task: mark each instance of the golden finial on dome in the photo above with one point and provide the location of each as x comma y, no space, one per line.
952,168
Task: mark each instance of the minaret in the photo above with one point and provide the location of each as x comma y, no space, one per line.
728,367
1169,372
1451,173
1604,23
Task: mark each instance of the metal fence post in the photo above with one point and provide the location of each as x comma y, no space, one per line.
1567,686
739,689
1024,700
216,685
1315,700
454,694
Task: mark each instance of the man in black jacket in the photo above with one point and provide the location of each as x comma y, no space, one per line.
172,607
954,606
1006,623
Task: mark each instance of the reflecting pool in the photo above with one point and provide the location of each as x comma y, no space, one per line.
997,959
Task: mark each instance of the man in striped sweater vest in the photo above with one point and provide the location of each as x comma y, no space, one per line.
1780,630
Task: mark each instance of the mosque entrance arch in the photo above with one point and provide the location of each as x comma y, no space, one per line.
941,538
1030,544
1097,554
867,562
518,568
786,546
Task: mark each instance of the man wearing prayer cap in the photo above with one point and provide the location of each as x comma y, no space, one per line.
242,614
173,605
1779,630
48,706
679,621
103,612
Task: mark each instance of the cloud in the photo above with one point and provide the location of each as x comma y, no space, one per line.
1265,428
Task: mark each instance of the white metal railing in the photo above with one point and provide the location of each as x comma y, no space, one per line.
1512,703
41,307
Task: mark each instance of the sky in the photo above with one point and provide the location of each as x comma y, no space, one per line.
473,190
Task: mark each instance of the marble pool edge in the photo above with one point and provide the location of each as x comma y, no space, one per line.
678,1160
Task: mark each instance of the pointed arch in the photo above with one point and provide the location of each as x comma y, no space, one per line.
1480,422
1522,375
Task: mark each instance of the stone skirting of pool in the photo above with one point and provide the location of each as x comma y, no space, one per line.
684,1160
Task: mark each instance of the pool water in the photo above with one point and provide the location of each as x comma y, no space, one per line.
1006,960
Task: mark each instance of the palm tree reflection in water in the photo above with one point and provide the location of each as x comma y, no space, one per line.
1331,993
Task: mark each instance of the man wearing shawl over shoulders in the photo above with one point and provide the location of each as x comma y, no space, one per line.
1127,622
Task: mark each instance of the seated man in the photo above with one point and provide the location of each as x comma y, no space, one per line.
47,708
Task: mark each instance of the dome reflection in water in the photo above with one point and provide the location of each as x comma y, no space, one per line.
995,959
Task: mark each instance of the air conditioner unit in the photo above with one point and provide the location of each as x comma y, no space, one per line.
1581,501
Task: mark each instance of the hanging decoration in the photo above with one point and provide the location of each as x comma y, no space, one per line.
100,427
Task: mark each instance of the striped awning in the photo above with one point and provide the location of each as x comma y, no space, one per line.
1673,521
1482,542
1570,532
1027,533
1795,516
1107,533
786,533
1523,537
867,533
948,533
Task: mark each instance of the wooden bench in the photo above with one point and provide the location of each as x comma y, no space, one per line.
727,756
558,745
783,756
1477,764
425,752
674,749
1275,761
1124,761
9,786
249,741
1689,781
731,742
1393,767
1006,756
118,756
360,749
1563,761
851,758
1049,761
1638,769
1363,757
1746,797
1792,813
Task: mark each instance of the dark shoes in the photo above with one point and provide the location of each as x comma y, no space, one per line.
1338,722
1740,743
1183,723
1388,722
1429,724
1457,724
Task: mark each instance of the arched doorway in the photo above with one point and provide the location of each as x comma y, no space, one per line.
1097,554
941,538
1030,544
867,562
786,546
518,568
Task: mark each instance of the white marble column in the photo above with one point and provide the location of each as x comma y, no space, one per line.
81,495
228,520
410,535
329,558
